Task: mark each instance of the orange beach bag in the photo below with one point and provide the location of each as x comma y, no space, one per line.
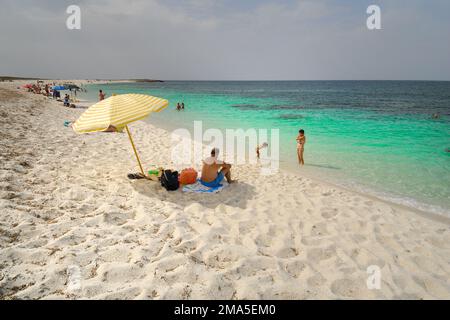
188,176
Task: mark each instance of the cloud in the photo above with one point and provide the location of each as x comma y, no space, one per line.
205,39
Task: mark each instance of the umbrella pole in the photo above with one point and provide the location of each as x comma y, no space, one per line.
135,151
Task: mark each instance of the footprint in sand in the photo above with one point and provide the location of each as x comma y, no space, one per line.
348,288
124,294
431,285
295,268
285,253
224,256
329,213
316,280
117,218
246,227
264,240
311,241
319,229
320,254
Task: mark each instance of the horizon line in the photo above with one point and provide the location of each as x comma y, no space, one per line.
209,80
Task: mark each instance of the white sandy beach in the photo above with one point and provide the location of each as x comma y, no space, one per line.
73,226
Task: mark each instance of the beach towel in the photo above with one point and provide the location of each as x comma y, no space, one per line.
200,188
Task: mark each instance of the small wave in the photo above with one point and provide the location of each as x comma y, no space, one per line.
415,204
291,116
286,107
397,199
246,106
254,90
286,90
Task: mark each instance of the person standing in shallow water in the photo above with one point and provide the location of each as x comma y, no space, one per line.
259,147
101,95
301,140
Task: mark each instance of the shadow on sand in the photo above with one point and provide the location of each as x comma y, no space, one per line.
322,166
233,195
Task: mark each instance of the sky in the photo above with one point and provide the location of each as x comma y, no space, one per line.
226,40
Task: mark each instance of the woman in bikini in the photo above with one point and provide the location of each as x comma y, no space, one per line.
301,140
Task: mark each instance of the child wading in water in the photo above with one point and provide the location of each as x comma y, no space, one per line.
258,148
301,140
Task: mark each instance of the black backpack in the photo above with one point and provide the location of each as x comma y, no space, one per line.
169,180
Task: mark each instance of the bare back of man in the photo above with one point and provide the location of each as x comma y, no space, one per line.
213,170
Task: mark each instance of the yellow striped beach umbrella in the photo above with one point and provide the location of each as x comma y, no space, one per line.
118,111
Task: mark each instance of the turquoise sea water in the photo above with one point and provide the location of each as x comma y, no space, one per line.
372,136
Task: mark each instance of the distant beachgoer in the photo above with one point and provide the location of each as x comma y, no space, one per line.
101,95
258,148
47,90
178,106
436,115
301,140
56,94
214,171
66,101
36,89
182,106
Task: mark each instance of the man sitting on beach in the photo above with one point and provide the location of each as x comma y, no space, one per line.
214,171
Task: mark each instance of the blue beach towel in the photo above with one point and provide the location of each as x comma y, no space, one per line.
200,188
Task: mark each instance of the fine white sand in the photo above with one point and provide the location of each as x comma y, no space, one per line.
72,225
